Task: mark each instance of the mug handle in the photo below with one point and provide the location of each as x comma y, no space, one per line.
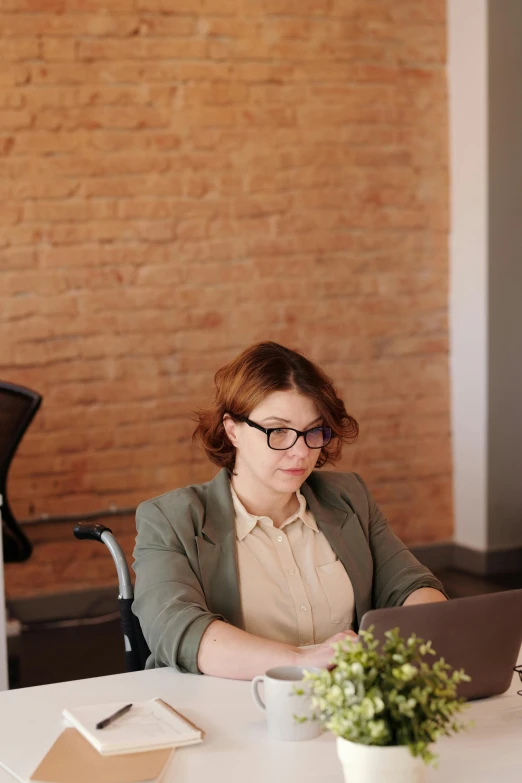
255,691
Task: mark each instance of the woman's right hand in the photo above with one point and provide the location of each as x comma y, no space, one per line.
320,655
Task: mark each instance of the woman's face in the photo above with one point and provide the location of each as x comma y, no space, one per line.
281,471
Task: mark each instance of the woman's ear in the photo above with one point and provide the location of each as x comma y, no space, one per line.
230,428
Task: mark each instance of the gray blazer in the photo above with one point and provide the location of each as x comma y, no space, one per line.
186,563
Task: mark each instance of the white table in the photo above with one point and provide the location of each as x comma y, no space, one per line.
237,747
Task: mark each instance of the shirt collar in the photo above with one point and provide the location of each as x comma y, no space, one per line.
246,522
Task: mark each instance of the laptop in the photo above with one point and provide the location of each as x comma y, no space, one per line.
481,634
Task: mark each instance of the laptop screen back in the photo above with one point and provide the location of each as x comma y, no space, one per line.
481,634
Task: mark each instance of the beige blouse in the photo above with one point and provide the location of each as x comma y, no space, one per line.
293,588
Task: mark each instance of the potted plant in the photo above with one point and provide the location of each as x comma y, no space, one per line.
386,706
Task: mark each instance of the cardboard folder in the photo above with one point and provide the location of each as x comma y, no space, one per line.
74,760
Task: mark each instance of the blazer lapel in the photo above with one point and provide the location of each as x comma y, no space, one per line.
343,531
217,552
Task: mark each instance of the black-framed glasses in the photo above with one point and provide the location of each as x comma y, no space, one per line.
519,670
282,438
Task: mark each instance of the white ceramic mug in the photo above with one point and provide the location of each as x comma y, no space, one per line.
284,708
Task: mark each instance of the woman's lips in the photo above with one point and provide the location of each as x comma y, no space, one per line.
295,472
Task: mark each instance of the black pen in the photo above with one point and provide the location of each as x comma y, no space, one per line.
113,717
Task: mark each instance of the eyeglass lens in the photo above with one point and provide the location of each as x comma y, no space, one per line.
285,438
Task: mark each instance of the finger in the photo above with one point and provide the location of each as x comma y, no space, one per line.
333,639
345,635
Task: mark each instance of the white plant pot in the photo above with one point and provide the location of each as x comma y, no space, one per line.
376,763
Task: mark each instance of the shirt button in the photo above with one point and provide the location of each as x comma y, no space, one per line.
279,538
303,608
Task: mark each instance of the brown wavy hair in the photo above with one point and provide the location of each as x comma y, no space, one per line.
246,381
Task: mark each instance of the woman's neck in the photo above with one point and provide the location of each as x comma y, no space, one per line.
262,501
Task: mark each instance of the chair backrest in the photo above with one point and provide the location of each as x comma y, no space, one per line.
18,407
136,649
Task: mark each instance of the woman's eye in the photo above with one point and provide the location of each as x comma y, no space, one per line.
280,431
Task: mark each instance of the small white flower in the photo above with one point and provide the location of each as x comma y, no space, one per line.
408,671
349,689
367,708
377,729
335,696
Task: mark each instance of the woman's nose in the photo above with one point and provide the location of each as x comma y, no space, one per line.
300,449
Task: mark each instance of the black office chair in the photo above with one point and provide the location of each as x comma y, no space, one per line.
136,650
18,407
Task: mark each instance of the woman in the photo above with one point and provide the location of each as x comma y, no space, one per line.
272,560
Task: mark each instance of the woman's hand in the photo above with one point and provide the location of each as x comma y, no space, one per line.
320,655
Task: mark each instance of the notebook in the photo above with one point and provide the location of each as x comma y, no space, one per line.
148,725
72,759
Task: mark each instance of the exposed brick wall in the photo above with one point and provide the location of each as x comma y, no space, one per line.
180,178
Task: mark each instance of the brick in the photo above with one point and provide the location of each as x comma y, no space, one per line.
431,11
163,25
38,6
148,140
158,275
102,117
105,72
178,48
10,213
214,93
102,278
110,166
11,99
23,24
147,208
20,49
166,7
60,257
58,49
14,74
18,258
298,7
70,211
95,6
101,95
138,185
43,142
422,44
36,188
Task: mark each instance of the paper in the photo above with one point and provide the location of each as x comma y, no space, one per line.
148,725
74,760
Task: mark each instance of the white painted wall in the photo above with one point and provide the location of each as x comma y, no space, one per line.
468,306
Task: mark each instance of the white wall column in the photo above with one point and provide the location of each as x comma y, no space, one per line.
485,112
468,307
